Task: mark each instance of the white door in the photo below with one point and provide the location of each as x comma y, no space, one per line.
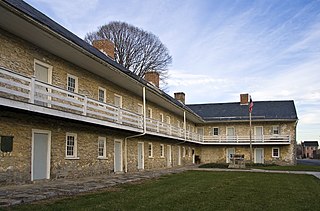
117,155
140,155
179,155
193,156
258,133
230,153
42,73
40,155
258,155
230,134
169,158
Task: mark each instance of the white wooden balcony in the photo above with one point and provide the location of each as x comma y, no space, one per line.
27,93
245,140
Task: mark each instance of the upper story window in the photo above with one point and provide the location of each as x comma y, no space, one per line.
102,95
140,109
275,130
150,150
71,145
168,120
178,124
102,151
149,113
200,131
215,131
42,71
118,100
161,117
72,84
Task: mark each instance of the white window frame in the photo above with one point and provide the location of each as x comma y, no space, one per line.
274,156
183,152
150,150
75,84
202,129
273,129
149,111
50,67
189,152
75,146
162,150
104,95
120,100
213,131
168,120
161,117
178,124
104,141
140,109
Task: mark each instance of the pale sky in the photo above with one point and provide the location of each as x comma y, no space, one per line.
221,48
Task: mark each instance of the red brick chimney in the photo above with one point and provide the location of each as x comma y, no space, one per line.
105,46
180,96
244,99
152,77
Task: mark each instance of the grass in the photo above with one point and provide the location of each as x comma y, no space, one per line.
298,167
196,190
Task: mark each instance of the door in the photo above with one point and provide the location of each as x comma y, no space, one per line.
42,73
179,155
258,133
230,134
258,155
40,164
140,155
230,153
118,155
169,158
193,156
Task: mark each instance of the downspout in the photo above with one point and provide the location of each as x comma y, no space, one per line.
138,135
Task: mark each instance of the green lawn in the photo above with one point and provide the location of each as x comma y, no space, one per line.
196,190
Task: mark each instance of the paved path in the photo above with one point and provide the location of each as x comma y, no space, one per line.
316,174
310,162
18,194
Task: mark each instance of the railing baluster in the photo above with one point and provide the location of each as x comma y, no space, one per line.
32,90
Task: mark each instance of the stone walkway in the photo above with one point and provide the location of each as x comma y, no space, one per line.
18,194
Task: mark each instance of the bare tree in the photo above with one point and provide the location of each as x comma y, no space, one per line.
135,49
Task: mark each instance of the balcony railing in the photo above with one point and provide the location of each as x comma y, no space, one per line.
263,139
29,90
20,88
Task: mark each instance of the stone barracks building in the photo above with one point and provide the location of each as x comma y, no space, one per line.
69,110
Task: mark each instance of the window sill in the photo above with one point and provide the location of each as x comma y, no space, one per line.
162,157
151,157
72,158
102,158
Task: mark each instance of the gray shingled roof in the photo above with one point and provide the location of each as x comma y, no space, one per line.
310,143
262,110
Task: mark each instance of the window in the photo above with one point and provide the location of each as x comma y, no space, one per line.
215,131
275,130
102,151
140,109
161,117
162,150
149,113
118,100
178,124
275,152
150,150
183,151
71,145
72,84
200,131
168,120
102,95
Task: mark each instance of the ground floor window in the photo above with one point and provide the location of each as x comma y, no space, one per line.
161,150
102,147
71,145
275,152
150,150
